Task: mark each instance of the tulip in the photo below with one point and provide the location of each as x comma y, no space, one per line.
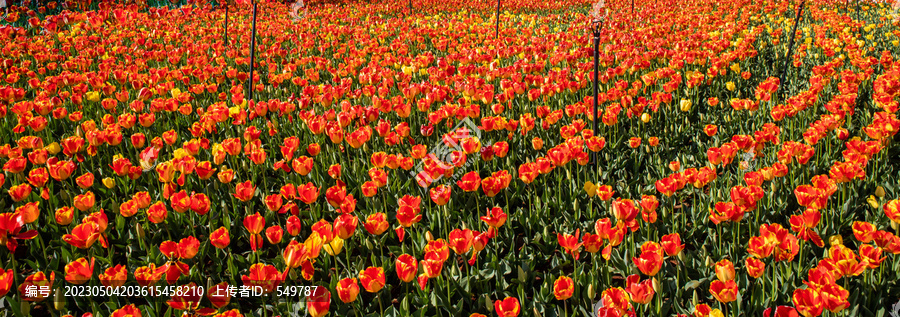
64,215
755,267
724,292
347,290
808,302
114,276
157,212
218,295
406,267
372,279
265,276
648,263
244,191
508,307
319,303
671,243
725,270
563,288
274,234
376,223
641,292
79,271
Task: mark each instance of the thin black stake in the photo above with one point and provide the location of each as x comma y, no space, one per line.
497,33
790,53
226,25
632,9
595,29
252,51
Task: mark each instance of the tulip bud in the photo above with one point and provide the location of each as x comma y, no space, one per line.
708,261
109,182
655,285
836,240
685,105
694,298
59,302
536,312
873,202
429,236
522,274
140,231
53,148
645,117
590,290
879,191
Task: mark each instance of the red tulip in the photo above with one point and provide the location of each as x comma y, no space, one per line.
563,288
244,191
406,267
372,279
641,292
508,307
347,290
724,292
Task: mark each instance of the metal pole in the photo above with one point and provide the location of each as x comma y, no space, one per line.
226,25
632,9
497,33
252,52
596,89
790,53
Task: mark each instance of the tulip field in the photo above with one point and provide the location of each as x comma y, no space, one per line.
443,158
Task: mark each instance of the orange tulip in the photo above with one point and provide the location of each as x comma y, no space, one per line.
19,192
345,225
724,292
244,191
671,243
265,276
641,292
508,307
406,267
218,295
372,279
563,288
6,281
808,302
725,270
36,281
79,271
376,223
114,276
649,262
274,234
254,223
83,235
319,303
461,240
892,210
347,290
755,267
157,212
219,238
